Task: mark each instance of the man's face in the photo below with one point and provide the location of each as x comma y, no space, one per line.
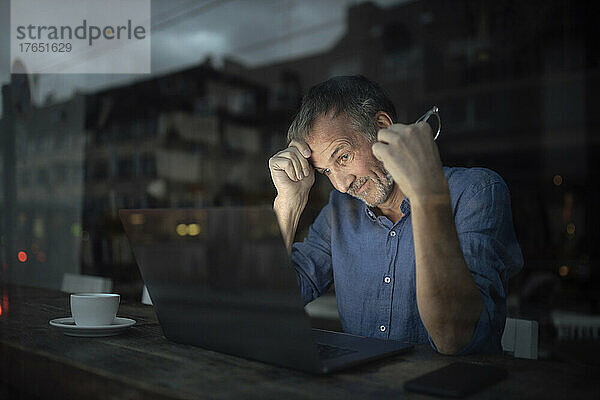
346,158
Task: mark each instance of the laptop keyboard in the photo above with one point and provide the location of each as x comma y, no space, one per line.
327,351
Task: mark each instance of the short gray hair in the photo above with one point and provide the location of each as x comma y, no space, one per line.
354,97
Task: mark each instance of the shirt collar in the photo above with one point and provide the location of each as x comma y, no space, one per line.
404,207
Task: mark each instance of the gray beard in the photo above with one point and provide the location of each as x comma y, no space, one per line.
383,189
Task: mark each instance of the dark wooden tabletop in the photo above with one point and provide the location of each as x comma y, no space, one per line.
141,363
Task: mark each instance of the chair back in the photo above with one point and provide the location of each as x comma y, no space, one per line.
520,338
146,296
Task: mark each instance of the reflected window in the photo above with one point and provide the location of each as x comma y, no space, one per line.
25,179
100,170
125,168
148,166
43,178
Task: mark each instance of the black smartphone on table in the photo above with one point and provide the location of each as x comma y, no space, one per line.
458,379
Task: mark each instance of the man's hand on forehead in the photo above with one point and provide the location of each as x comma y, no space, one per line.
291,171
302,146
293,176
304,155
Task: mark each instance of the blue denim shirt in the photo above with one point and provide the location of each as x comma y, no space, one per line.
372,260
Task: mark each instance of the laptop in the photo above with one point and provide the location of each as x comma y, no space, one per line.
221,279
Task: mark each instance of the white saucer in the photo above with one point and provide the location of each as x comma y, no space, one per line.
68,327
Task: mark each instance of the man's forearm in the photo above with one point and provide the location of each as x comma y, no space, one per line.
288,215
448,300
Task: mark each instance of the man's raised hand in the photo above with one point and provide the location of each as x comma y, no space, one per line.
411,156
292,174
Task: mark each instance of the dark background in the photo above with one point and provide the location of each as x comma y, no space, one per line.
517,84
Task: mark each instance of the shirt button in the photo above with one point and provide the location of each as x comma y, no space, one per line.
387,279
392,233
382,328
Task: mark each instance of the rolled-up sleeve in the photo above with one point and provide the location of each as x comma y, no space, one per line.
312,257
486,234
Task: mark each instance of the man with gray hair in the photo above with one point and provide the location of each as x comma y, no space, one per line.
418,252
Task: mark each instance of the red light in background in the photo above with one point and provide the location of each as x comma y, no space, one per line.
0,311
5,303
22,256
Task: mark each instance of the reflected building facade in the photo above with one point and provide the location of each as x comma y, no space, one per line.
47,187
190,139
193,138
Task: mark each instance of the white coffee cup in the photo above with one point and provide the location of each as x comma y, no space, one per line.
94,309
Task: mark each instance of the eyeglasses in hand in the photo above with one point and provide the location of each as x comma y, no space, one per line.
434,111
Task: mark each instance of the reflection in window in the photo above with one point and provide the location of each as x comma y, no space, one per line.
125,168
148,166
100,170
515,82
43,178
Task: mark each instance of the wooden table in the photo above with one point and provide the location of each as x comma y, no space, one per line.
39,360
